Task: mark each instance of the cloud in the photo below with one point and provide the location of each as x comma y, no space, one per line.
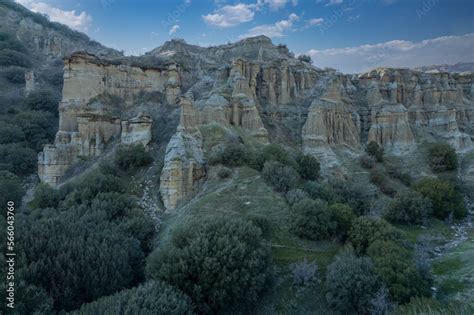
173,29
231,15
315,21
273,30
276,4
78,21
397,53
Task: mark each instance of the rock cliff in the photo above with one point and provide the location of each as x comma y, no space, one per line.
261,89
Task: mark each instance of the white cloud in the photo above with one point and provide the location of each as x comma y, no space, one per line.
275,4
273,30
315,21
397,53
78,21
231,15
173,29
334,2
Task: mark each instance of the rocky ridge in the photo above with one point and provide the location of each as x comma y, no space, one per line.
257,87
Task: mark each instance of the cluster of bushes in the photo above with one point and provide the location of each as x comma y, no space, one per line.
88,226
374,271
221,264
132,157
442,157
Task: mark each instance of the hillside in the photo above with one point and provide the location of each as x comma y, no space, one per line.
230,179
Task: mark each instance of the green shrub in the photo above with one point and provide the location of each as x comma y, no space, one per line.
351,283
272,152
442,157
366,230
21,160
397,271
322,191
154,297
282,178
343,216
11,43
10,133
409,207
396,171
305,58
39,127
42,100
220,263
308,167
431,306
132,157
352,194
295,195
10,57
46,197
15,75
224,172
379,179
312,219
10,189
375,150
232,154
444,196
261,222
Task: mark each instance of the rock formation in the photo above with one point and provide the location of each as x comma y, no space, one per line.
259,88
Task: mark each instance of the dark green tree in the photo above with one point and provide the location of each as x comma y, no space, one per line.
409,207
366,230
220,263
10,189
308,167
375,150
282,178
312,219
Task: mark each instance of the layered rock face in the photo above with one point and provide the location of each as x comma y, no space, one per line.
261,89
97,107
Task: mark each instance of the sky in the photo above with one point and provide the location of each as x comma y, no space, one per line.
348,35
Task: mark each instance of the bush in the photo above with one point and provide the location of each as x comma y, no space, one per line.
295,195
154,297
39,127
352,194
281,178
305,58
272,152
42,100
224,172
395,171
234,153
308,167
14,58
261,222
46,197
444,197
379,179
366,230
322,191
351,283
20,160
409,208
132,157
312,219
10,133
343,216
222,264
396,270
10,189
375,150
15,75
10,42
442,158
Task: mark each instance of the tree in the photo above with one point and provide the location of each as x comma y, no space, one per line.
153,297
442,157
15,75
18,159
132,157
220,263
46,197
308,167
312,219
272,152
305,58
351,283
282,178
10,57
39,127
10,189
444,197
409,207
42,100
343,216
375,150
397,271
10,133
366,230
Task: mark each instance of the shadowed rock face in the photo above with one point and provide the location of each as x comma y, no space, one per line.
260,88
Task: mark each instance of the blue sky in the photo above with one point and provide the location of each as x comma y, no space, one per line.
349,35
